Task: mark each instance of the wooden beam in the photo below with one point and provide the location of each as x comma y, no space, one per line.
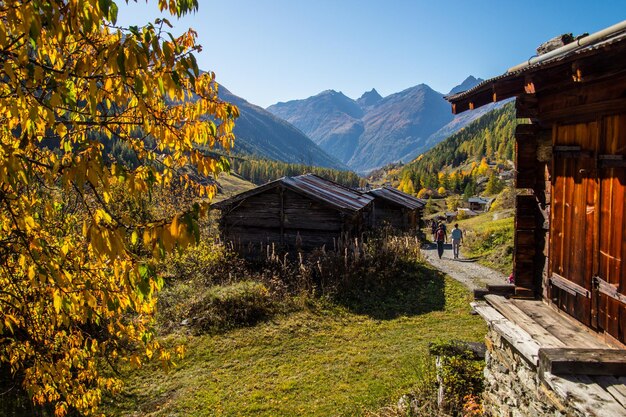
611,161
609,290
584,395
527,106
508,88
580,361
281,191
569,286
512,312
584,112
526,155
517,337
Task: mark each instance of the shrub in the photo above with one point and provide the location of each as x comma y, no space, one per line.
207,262
462,215
460,373
225,307
453,202
504,200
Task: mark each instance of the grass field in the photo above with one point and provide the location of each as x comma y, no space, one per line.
230,185
325,359
489,240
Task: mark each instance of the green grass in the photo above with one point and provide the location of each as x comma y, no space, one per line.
323,360
490,241
230,185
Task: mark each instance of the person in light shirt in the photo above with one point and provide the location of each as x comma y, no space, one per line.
457,239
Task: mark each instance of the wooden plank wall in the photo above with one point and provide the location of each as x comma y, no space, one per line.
612,237
587,245
288,220
397,217
532,207
573,217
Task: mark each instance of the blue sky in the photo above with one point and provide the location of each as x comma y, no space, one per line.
277,50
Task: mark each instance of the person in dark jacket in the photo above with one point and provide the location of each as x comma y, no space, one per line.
441,238
433,229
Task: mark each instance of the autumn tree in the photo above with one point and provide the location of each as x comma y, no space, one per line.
494,185
482,169
73,286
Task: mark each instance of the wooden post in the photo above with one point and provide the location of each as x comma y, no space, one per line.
524,250
282,215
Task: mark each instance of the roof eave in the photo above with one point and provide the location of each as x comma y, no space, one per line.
516,80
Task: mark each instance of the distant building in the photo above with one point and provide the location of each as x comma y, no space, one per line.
451,216
479,203
397,209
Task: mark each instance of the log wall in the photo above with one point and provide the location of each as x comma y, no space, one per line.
287,220
397,217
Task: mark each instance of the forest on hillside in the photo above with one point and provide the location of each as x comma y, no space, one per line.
489,137
458,161
260,171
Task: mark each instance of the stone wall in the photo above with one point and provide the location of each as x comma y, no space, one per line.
513,387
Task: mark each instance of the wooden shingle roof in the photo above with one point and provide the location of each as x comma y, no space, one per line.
317,188
397,197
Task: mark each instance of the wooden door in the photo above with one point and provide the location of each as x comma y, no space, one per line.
611,268
573,219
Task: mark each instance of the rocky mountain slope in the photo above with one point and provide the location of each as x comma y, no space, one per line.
260,133
373,131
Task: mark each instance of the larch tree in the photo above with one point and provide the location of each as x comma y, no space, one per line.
73,289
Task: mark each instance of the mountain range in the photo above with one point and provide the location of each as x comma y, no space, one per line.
372,131
260,133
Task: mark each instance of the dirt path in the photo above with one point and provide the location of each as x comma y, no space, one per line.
466,271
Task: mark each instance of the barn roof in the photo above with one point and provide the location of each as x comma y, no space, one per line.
312,186
479,200
398,197
515,81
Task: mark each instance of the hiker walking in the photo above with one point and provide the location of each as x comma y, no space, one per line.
433,229
457,239
441,238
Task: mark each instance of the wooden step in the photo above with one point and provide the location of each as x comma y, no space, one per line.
580,361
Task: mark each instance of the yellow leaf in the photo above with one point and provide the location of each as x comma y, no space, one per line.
57,301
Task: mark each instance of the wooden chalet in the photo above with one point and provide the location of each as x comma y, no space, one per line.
294,212
479,203
399,210
570,228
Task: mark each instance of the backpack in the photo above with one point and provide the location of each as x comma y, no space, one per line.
441,235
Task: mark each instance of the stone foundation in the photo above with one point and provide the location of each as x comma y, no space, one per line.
513,388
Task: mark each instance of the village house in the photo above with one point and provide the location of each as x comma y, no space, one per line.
479,203
557,347
302,212
394,208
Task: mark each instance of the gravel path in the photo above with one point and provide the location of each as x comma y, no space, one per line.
466,271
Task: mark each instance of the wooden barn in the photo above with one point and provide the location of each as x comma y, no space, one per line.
479,203
399,210
570,230
294,212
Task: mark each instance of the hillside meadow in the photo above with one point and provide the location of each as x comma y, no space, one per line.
349,344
